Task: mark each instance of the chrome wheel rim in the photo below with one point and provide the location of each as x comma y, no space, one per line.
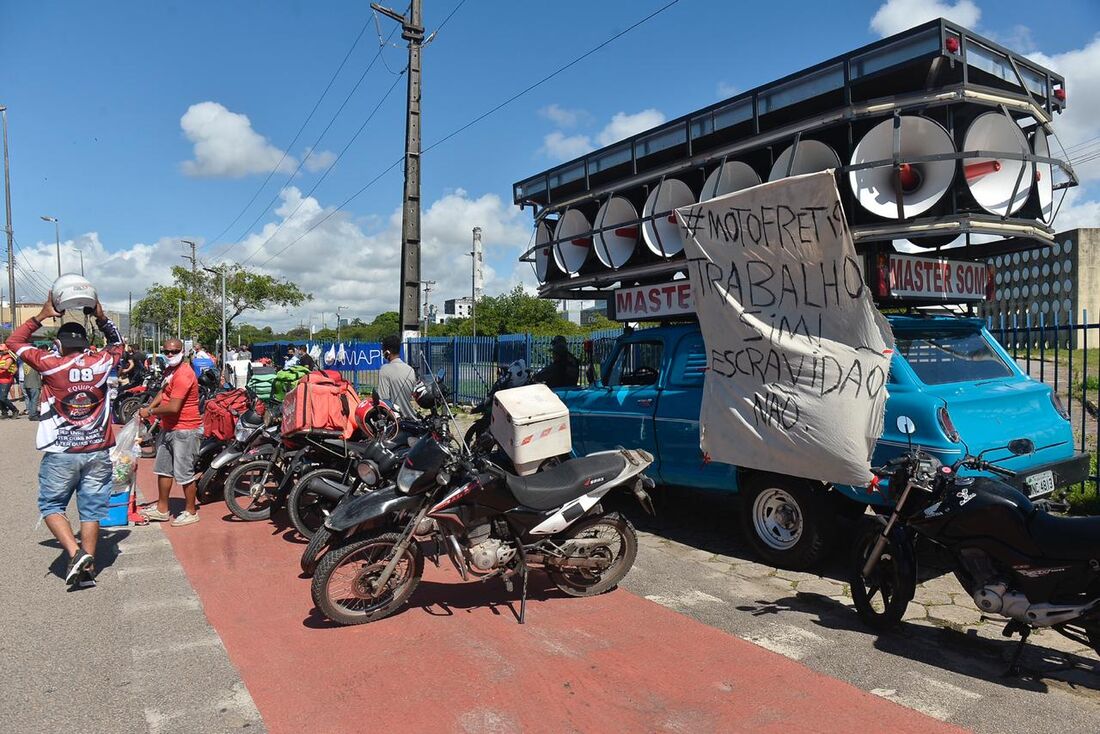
777,519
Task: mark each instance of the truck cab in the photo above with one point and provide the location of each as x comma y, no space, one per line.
948,377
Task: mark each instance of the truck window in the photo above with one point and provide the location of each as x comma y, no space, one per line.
638,363
943,357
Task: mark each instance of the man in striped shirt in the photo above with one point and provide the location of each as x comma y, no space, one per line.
74,431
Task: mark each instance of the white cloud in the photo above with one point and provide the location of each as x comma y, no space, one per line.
624,125
226,146
318,160
563,116
564,147
725,90
1078,210
1081,120
895,16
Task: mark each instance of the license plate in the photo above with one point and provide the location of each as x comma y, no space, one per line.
1040,483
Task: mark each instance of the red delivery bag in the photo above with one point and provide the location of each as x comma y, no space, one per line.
220,418
322,405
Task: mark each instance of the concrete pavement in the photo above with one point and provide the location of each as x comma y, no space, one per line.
135,654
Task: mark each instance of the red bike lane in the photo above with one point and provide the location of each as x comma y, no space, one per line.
455,660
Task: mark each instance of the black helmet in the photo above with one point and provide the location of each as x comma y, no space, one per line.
425,395
208,378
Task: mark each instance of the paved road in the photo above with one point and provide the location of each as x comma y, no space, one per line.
949,666
135,654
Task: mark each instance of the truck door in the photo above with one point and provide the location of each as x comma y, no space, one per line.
677,421
620,411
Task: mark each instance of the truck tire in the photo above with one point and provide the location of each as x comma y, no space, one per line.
787,521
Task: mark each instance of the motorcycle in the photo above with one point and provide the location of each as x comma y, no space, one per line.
134,396
1014,558
217,457
490,523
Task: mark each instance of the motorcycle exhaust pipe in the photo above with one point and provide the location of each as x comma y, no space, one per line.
328,488
225,458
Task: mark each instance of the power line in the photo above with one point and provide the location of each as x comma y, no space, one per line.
461,129
328,170
301,163
298,134
42,280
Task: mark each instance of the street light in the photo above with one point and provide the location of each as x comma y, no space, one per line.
338,310
57,238
221,273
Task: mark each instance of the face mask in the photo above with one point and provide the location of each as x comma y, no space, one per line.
175,360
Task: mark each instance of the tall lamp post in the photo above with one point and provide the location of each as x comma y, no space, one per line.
57,239
338,310
221,274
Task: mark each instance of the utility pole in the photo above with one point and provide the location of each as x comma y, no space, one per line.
476,277
225,348
179,319
194,263
412,30
130,317
7,208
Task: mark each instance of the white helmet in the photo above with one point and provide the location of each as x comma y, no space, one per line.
518,376
72,292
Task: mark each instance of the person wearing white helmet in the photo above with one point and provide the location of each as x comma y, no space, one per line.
74,429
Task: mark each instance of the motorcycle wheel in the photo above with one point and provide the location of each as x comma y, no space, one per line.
341,585
311,556
210,483
243,495
306,508
128,406
619,549
881,599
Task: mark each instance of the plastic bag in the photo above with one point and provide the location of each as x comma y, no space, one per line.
330,355
125,453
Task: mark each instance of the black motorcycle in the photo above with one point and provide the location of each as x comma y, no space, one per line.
491,524
1013,556
217,457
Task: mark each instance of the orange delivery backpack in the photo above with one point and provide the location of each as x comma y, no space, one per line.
220,418
320,404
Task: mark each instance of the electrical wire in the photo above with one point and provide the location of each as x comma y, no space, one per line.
301,163
319,181
298,134
465,127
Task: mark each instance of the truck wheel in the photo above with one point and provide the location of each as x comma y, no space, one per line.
788,523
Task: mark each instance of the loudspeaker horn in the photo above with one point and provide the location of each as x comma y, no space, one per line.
574,241
991,180
812,156
615,246
1044,174
542,254
729,177
922,184
662,234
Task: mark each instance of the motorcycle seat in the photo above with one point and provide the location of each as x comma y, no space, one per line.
554,487
1067,538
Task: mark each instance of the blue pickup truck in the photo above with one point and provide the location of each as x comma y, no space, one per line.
949,377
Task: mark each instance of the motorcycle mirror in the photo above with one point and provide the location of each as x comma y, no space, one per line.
906,425
440,374
1021,446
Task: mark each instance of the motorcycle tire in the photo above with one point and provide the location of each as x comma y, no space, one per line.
315,549
585,582
880,601
128,407
211,484
337,588
308,509
788,522
239,489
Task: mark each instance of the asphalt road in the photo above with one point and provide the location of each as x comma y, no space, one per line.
135,654
691,559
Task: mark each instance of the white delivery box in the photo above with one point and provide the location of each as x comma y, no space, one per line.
531,424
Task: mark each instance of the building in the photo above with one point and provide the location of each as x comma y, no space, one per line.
588,315
1048,286
458,308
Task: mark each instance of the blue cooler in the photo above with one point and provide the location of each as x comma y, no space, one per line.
118,509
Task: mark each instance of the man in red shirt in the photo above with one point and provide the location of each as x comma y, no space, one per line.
177,406
74,431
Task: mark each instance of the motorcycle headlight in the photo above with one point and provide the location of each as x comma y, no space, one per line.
368,472
406,477
242,432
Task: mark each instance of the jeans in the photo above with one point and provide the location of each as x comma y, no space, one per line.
5,404
32,400
87,475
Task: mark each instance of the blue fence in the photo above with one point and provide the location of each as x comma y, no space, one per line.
469,363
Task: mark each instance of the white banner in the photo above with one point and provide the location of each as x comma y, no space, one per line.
797,354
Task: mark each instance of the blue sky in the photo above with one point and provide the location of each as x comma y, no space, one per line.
101,134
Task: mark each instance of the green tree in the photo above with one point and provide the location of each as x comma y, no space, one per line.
200,292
